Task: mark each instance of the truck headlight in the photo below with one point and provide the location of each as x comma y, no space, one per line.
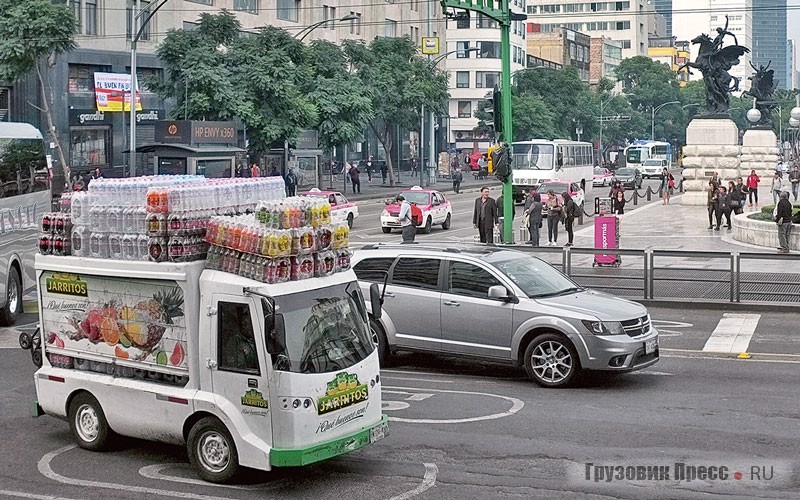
604,327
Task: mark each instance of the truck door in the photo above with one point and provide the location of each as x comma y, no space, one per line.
239,379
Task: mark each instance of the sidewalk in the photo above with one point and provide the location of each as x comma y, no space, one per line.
377,190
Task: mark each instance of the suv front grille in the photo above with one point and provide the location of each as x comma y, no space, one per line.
637,327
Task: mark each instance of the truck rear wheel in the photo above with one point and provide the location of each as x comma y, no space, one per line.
88,423
8,314
212,451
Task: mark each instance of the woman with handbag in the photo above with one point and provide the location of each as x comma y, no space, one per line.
667,186
737,198
555,211
533,210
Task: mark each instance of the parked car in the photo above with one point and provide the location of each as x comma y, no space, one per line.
602,177
502,305
341,209
560,187
629,177
653,167
436,209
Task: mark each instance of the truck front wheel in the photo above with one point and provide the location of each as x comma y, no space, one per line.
88,423
13,307
212,451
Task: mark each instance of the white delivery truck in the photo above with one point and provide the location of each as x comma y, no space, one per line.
242,372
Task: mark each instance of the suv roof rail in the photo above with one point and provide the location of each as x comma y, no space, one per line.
429,246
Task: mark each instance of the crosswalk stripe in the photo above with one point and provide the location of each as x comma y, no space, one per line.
733,333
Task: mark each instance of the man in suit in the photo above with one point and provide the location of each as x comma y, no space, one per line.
484,216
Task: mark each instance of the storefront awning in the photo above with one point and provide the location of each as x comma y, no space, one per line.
195,150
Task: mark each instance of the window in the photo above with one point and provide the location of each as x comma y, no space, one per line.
622,25
462,79
487,79
204,2
373,269
89,147
485,21
287,10
236,341
415,5
626,44
462,22
329,14
81,77
250,6
5,104
355,24
75,5
413,33
90,17
489,50
469,279
465,109
214,168
142,74
462,48
417,273
146,30
389,28
189,26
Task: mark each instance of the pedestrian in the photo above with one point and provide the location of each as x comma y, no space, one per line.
783,217
501,215
406,222
667,186
458,177
384,172
483,166
274,172
723,207
715,179
711,204
554,213
618,203
794,179
776,187
368,167
255,170
353,173
291,183
571,211
737,198
742,188
484,216
616,187
533,206
752,187
98,174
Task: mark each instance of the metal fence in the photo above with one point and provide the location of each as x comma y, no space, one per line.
672,275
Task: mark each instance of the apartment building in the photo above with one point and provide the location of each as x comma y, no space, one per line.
93,138
562,46
605,56
625,21
674,54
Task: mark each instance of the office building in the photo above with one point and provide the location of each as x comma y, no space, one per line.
769,39
664,8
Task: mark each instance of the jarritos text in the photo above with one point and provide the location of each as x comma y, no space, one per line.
343,391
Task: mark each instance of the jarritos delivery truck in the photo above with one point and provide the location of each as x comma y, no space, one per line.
242,371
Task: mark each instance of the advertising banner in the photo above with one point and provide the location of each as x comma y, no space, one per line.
110,89
142,321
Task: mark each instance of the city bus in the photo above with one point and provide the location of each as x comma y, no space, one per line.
24,196
539,160
639,151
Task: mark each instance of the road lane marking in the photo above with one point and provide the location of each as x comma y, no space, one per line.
415,379
733,333
428,482
516,405
665,327
154,472
22,494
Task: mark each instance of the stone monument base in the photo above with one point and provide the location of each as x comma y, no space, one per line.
712,145
760,153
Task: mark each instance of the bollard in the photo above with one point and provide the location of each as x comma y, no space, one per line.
635,197
649,193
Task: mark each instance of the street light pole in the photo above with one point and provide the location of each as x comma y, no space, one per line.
303,33
653,117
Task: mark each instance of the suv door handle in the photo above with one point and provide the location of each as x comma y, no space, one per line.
389,294
451,303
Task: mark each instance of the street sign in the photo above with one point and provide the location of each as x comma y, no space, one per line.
430,45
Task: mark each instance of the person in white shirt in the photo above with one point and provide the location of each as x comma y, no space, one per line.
409,229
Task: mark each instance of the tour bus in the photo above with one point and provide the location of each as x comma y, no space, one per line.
539,160
639,151
24,196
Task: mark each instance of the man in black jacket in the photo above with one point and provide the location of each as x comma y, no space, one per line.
484,216
783,218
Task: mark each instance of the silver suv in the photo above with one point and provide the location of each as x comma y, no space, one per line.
502,305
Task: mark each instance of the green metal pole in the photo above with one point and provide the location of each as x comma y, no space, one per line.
505,112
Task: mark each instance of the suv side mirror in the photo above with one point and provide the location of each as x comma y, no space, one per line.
375,301
498,292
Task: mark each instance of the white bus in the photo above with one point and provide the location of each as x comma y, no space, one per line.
24,196
539,160
639,151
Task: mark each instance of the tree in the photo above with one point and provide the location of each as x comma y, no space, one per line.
32,34
398,82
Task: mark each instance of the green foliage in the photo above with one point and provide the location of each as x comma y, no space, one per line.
30,30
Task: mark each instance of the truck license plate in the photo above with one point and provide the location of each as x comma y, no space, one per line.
650,346
378,432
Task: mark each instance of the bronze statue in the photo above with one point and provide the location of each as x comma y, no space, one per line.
714,61
762,88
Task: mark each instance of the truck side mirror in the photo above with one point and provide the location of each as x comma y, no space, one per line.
375,301
276,337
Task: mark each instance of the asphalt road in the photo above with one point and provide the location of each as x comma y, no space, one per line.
466,430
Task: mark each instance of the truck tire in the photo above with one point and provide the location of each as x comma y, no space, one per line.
212,451
88,423
379,339
13,307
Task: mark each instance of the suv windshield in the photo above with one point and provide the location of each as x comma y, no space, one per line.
325,329
533,276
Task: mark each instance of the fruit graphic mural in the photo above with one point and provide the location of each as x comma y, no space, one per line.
138,320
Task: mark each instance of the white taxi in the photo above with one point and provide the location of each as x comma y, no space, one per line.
341,209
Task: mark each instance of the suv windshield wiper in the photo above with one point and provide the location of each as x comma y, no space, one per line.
556,294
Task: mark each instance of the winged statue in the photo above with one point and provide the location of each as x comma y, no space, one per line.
761,89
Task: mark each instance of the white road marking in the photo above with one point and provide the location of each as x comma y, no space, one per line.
154,472
415,379
394,405
22,494
733,333
646,372
516,405
668,328
428,482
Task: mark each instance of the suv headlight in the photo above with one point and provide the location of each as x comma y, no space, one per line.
604,327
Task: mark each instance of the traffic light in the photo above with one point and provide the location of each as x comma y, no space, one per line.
493,110
501,161
490,163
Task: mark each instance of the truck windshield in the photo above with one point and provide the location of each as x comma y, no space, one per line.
325,329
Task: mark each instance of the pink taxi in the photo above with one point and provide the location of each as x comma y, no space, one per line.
436,209
341,208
